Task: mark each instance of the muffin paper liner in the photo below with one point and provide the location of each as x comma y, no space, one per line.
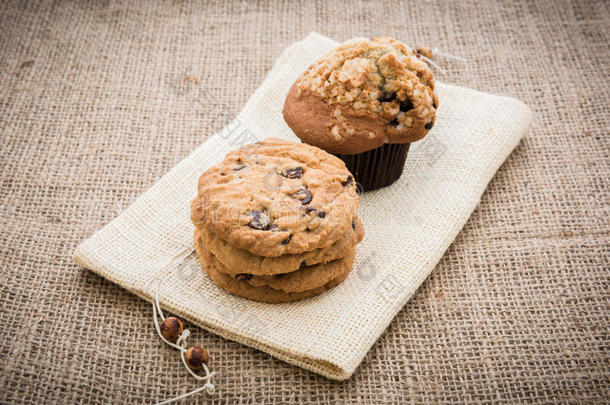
378,167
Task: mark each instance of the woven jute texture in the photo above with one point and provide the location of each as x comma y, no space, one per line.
99,101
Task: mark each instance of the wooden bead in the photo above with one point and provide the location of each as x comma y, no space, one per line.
195,356
425,51
171,329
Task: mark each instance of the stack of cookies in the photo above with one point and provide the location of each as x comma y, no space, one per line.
276,221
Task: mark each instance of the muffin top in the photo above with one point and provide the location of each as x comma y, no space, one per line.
361,95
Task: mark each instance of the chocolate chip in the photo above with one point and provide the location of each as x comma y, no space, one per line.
429,125
259,221
406,105
348,181
387,97
293,173
238,168
320,214
243,276
354,225
394,122
304,195
287,240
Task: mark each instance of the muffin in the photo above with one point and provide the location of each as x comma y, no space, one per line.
365,102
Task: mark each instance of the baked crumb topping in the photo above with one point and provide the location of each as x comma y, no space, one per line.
381,77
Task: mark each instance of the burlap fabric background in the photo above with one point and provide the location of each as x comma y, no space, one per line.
518,308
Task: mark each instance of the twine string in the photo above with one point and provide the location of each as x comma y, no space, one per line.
435,53
433,64
182,346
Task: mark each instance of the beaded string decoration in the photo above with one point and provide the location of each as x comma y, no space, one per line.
194,358
428,54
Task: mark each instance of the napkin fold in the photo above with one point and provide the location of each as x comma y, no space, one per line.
409,225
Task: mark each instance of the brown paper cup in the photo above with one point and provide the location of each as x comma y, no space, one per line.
378,167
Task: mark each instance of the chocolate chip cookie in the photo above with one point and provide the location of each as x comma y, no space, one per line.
262,293
277,197
304,279
241,261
